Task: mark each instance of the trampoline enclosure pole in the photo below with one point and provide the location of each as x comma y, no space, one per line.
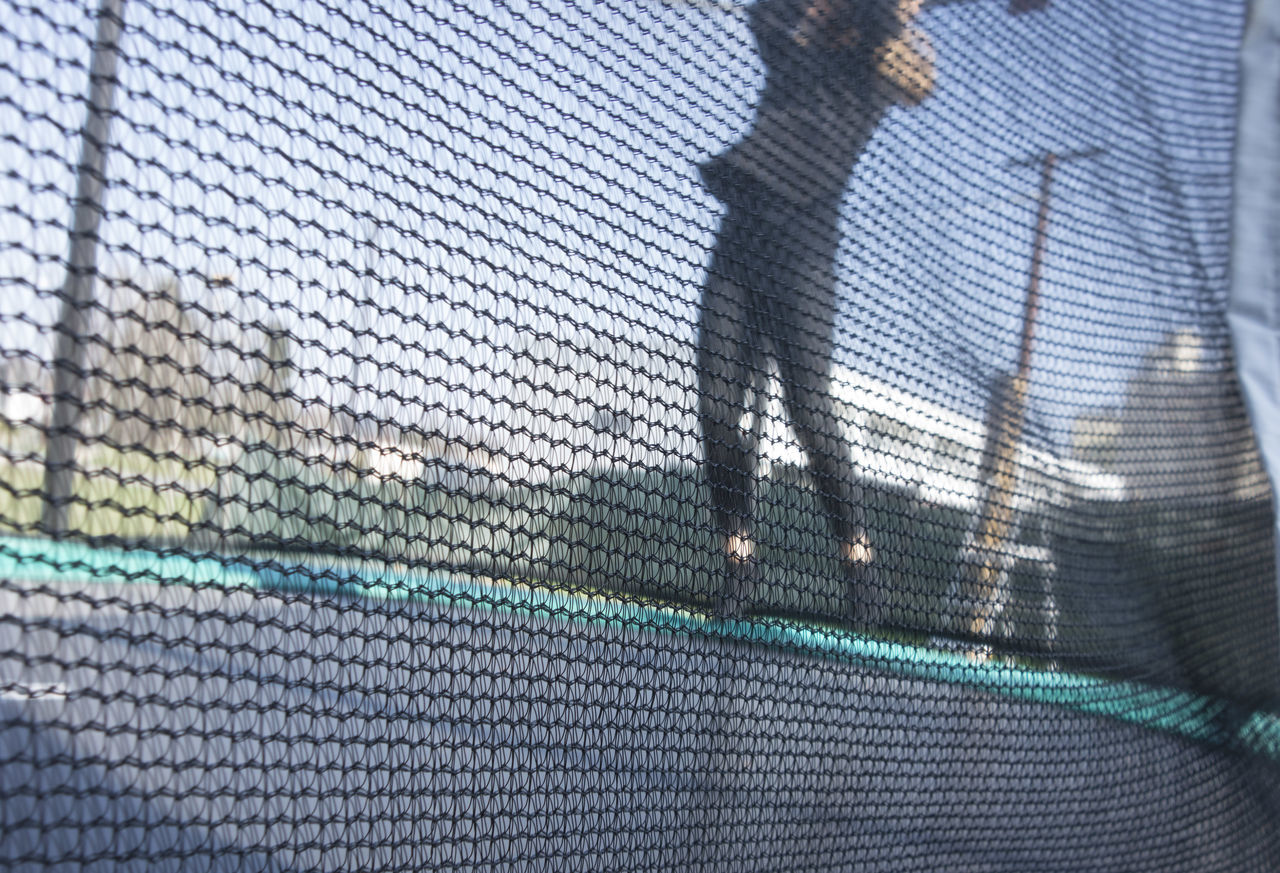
82,256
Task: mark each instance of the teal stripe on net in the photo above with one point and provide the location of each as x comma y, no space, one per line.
35,560
1185,713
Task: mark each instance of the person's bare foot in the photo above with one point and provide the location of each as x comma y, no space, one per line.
740,568
864,595
857,551
739,548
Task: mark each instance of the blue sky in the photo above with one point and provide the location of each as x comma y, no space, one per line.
473,173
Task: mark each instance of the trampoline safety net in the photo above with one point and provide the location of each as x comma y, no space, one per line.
628,435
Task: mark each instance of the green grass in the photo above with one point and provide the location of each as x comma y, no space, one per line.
116,494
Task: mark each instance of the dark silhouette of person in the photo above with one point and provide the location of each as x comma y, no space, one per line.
833,68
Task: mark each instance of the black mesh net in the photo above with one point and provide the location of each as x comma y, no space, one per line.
656,435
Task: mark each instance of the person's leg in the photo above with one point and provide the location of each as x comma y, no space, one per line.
823,434
803,324
729,363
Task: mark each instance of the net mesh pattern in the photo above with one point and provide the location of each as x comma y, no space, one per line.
565,435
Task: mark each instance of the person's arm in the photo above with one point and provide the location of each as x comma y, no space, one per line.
851,32
836,25
905,66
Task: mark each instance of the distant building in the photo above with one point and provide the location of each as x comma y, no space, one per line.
437,454
565,406
560,407
1181,432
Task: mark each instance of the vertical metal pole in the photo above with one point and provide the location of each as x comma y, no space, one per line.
1032,308
983,573
984,569
77,288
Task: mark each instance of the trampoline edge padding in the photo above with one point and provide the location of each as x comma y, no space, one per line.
1195,716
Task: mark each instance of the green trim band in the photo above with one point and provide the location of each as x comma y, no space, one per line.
1173,711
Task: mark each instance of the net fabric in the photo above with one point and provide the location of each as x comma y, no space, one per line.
636,436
